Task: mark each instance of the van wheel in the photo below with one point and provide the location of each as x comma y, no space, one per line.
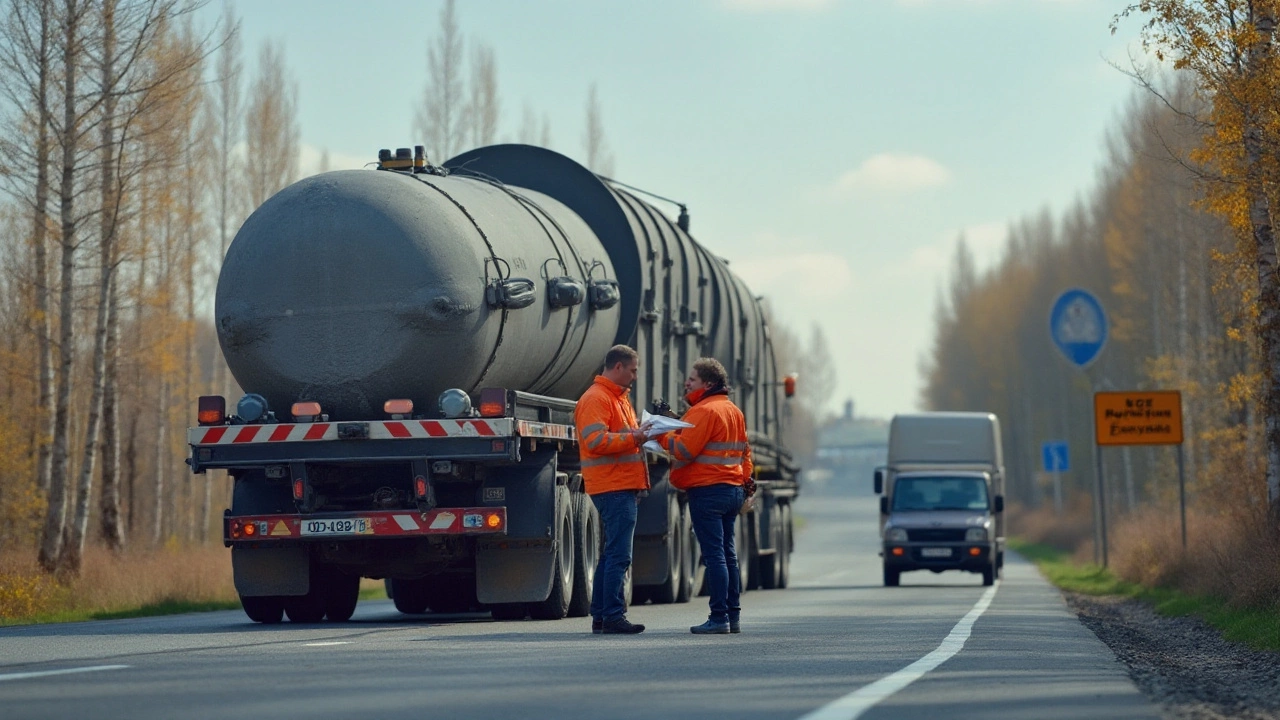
989,574
890,577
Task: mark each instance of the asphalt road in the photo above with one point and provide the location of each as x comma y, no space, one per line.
834,645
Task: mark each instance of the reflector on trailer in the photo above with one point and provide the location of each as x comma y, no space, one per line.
789,385
250,529
298,489
397,407
420,486
305,411
493,402
211,409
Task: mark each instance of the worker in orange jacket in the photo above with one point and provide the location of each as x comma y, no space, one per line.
711,462
614,472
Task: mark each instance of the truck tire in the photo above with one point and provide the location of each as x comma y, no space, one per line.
668,591
989,574
784,565
410,596
586,545
747,558
890,577
266,609
509,611
556,606
307,608
770,565
341,595
691,575
452,593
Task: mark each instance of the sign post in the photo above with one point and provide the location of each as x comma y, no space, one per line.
1143,418
1078,326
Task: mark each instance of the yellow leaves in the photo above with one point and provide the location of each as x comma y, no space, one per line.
24,595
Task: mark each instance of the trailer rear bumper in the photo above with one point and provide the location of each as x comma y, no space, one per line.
284,528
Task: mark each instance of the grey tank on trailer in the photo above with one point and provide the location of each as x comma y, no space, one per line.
358,286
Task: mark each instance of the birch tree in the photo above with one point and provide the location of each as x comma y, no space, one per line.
440,116
483,107
271,127
596,148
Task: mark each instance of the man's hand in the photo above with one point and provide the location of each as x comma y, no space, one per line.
749,487
641,434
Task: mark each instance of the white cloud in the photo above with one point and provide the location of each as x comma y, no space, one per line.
769,5
891,172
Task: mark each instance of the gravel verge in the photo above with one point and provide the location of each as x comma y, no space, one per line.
1182,663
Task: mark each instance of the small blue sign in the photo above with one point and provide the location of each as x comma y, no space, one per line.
1056,456
1078,326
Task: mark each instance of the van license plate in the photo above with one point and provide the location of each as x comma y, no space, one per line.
352,526
935,552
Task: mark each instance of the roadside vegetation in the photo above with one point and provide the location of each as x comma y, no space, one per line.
1229,581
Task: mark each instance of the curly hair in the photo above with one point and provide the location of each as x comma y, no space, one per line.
711,372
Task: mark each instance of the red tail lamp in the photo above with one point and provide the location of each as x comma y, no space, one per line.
789,385
298,489
211,409
305,411
420,486
493,520
398,409
493,402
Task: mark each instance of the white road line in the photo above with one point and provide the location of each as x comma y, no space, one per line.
68,671
327,644
854,704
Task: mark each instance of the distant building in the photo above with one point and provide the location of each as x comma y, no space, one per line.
850,448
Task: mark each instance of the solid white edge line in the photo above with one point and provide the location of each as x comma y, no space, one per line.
68,671
327,644
863,699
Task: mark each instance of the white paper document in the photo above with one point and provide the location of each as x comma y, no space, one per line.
660,424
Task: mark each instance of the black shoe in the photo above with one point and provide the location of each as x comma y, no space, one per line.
620,627
735,627
597,627
711,627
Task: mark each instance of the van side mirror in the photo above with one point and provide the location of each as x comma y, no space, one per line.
879,481
884,505
999,503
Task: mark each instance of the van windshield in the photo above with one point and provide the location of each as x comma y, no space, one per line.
940,493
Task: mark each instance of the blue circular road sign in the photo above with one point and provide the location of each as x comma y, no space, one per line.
1078,326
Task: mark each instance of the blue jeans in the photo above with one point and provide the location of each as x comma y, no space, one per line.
714,510
618,516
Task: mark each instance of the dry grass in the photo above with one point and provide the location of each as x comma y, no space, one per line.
109,583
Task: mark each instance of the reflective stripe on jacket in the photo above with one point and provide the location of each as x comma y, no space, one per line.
715,450
611,460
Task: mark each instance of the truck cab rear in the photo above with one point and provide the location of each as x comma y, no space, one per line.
942,495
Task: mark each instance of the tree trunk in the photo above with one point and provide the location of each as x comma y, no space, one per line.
161,463
112,527
44,329
56,514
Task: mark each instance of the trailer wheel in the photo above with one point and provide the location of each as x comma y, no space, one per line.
341,595
669,590
586,541
770,565
784,565
410,596
890,577
307,608
747,558
691,569
556,606
451,593
266,609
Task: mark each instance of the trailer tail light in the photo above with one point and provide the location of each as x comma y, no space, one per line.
305,411
398,409
236,530
298,489
420,486
493,402
789,385
250,529
493,520
211,410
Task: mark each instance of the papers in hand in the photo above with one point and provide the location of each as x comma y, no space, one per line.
658,425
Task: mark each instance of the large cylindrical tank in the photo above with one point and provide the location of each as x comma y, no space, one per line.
358,286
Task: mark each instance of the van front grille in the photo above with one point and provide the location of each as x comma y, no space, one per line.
936,535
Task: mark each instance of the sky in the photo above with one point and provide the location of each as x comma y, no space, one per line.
831,150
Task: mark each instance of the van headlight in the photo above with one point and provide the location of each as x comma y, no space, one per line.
895,535
975,535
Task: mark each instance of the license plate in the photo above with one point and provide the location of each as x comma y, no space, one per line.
347,526
935,552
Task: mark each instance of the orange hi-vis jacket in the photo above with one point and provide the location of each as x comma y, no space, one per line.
715,450
611,460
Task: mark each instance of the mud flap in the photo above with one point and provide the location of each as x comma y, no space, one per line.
520,567
271,571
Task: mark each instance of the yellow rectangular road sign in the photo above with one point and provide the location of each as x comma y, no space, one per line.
1138,418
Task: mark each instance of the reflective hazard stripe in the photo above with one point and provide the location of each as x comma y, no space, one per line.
714,460
725,446
612,460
